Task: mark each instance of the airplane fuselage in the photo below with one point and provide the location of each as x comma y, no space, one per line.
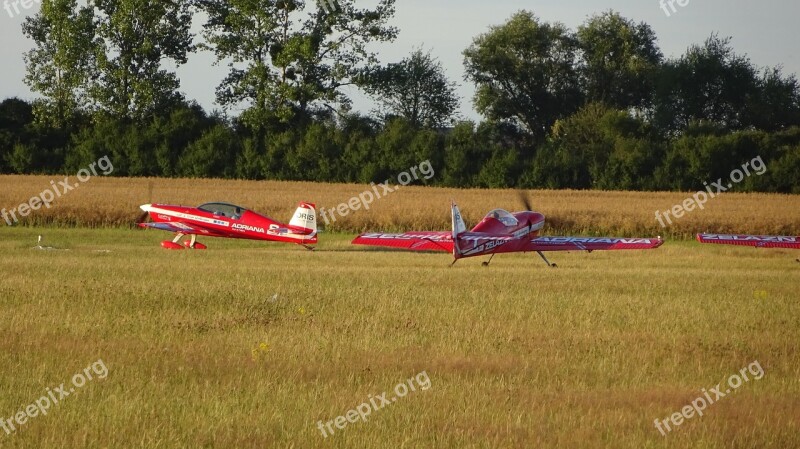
249,225
493,236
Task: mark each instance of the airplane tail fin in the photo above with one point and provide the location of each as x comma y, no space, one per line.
458,228
305,218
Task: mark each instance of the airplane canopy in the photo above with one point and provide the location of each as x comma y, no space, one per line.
223,209
504,216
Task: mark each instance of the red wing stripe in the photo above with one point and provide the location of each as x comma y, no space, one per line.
415,241
591,244
758,241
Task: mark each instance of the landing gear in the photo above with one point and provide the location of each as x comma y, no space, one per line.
192,243
486,264
551,265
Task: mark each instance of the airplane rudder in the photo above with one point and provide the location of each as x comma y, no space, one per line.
305,217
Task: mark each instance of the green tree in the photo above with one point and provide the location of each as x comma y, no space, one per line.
709,83
620,60
525,72
415,88
62,63
249,163
776,106
212,155
394,149
357,160
182,127
15,116
315,157
597,147
284,60
461,151
139,38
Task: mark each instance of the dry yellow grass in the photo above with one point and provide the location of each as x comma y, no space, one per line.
519,355
112,202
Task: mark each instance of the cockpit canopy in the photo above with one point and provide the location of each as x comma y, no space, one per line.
223,210
504,216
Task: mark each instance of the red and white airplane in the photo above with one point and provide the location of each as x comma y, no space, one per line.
500,232
229,221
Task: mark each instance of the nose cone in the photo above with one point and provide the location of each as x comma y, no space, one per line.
145,207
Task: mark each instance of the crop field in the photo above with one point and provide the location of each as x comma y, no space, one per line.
114,202
255,345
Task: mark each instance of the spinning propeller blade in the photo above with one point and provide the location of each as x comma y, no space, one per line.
145,215
523,197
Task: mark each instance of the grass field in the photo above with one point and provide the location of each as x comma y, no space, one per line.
250,345
200,352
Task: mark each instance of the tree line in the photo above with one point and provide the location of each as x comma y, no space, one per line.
599,107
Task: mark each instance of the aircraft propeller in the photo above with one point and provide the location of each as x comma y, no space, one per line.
526,202
144,215
523,197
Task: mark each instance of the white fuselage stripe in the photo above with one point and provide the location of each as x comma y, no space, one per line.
171,213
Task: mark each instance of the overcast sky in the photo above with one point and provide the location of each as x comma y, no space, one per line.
766,31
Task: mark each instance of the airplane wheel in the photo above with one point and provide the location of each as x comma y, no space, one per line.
485,264
554,266
197,245
169,244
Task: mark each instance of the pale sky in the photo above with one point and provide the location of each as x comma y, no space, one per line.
766,31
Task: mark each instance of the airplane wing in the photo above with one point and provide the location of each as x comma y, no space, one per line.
758,241
175,226
590,243
415,241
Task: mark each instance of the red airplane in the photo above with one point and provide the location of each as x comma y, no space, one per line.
230,221
500,232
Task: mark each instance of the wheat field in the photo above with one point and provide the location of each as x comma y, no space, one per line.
254,345
113,202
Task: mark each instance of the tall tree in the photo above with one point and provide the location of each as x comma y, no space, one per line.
138,38
284,60
777,104
525,72
62,63
709,83
620,60
415,88
15,116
